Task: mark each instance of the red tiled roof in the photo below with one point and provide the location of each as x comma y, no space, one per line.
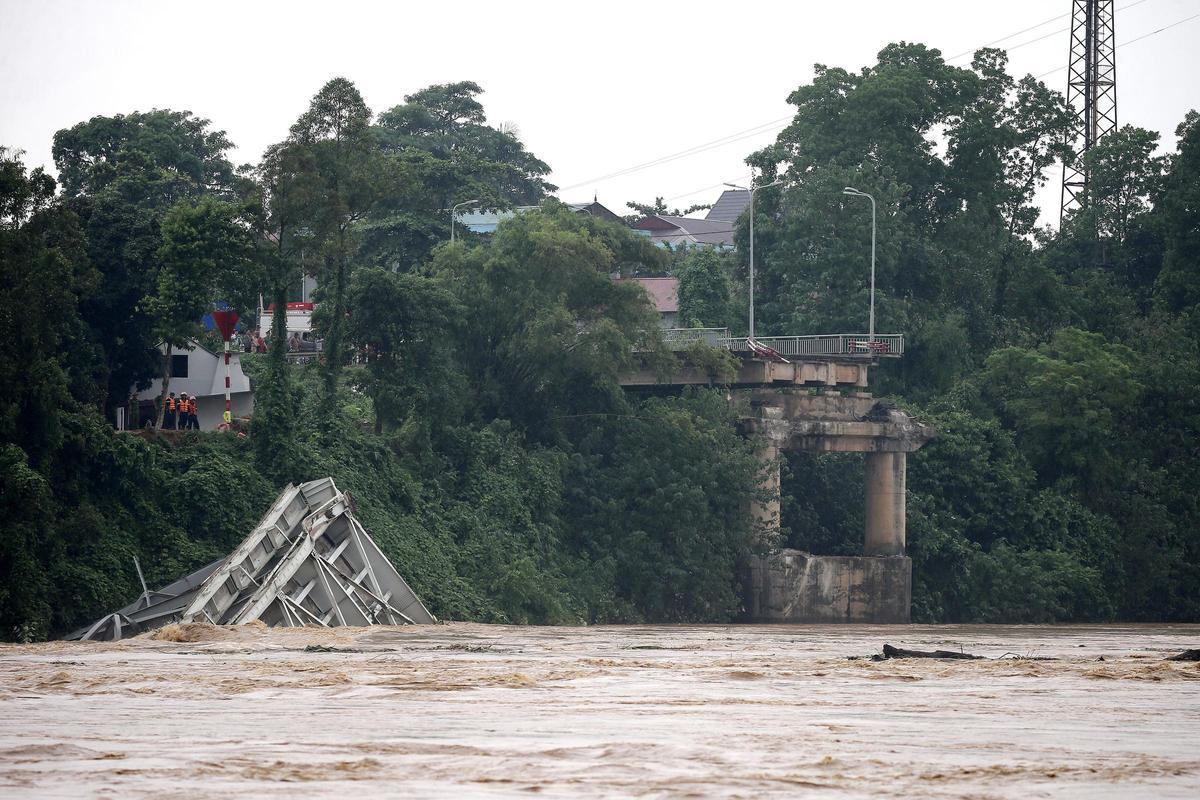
664,292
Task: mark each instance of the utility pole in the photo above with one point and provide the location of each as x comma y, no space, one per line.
752,189
1091,90
454,210
850,190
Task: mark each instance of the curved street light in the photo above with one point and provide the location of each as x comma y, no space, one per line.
453,208
850,190
752,189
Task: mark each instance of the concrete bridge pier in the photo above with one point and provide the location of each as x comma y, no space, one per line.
884,496
810,393
793,586
764,509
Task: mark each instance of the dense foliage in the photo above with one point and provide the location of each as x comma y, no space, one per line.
481,431
480,425
1060,368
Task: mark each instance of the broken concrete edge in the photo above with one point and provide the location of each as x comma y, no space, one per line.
308,562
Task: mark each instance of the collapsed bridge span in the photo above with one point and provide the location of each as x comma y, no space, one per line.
309,561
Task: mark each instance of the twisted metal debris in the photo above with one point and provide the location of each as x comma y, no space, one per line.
308,562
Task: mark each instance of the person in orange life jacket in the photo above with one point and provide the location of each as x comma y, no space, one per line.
169,414
185,415
192,418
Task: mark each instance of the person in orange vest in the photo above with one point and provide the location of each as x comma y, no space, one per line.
192,414
185,418
169,415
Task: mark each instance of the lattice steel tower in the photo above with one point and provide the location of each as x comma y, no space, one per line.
1091,89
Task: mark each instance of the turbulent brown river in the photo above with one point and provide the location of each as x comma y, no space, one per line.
466,710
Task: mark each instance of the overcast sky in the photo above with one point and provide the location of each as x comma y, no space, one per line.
593,88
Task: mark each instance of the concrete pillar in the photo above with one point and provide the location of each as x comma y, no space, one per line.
885,506
764,513
862,377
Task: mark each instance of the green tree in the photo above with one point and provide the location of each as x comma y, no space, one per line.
951,223
1065,401
43,273
546,329
1123,175
345,173
286,185
121,175
705,288
1178,285
660,207
405,323
442,151
207,255
657,502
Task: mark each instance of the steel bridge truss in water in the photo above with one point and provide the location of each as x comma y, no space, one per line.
308,562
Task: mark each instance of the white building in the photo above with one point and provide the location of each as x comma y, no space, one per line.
298,315
201,373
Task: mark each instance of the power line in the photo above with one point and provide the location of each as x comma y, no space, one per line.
1131,41
971,52
1160,30
694,150
766,126
706,188
1041,38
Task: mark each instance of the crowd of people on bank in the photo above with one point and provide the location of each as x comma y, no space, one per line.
254,343
250,342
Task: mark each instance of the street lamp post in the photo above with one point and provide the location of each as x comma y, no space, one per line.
752,189
850,190
454,208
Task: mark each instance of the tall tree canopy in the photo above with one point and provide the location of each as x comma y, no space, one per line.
1053,361
444,153
121,175
547,329
345,180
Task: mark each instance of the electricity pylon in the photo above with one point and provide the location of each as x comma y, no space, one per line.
1091,90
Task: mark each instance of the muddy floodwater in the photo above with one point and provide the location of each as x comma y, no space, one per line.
464,710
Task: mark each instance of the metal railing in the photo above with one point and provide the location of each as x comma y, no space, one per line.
681,338
887,345
837,344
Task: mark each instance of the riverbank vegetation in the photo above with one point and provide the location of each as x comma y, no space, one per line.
469,399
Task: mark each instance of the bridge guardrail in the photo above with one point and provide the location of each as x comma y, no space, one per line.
888,345
680,338
885,345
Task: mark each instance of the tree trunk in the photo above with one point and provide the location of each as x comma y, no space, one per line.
166,384
337,324
898,652
274,427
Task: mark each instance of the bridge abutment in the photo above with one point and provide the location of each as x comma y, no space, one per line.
797,587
